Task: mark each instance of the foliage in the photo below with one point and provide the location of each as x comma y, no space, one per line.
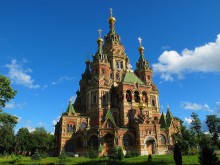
6,138
186,139
23,140
36,156
6,91
63,156
120,153
100,149
196,124
39,140
207,156
213,124
177,156
92,153
149,158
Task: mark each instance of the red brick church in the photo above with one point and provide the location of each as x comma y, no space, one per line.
115,105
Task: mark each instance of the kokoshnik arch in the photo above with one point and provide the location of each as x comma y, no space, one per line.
116,106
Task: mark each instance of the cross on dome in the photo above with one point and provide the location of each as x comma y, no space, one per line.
111,12
100,33
140,40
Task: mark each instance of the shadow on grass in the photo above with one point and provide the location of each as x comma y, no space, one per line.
117,162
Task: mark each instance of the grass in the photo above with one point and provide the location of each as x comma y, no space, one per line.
141,160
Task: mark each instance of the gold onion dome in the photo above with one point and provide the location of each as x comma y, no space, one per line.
111,17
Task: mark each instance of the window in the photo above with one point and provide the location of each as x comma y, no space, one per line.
136,96
153,101
71,127
117,76
148,77
144,97
104,97
103,71
82,126
127,140
163,139
94,97
119,64
128,96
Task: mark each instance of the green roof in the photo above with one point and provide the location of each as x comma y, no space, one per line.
109,116
130,77
163,121
169,117
70,109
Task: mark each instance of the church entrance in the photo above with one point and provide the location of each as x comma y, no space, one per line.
151,145
109,143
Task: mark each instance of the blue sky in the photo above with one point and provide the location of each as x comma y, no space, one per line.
44,45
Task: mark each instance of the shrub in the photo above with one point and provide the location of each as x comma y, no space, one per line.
92,153
177,155
134,154
207,156
120,153
128,154
100,149
44,155
63,156
36,156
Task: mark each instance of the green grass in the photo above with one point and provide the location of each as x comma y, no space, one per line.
141,160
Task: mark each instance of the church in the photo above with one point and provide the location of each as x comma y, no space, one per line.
116,106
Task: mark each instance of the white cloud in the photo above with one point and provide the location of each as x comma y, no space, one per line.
187,120
19,75
218,107
205,58
62,79
13,105
195,106
30,129
41,124
54,122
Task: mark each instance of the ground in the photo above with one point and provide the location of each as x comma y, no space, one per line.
159,159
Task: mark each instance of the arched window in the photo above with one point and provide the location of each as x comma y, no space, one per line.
163,139
82,126
79,142
117,76
153,101
71,127
144,97
93,141
128,96
136,96
127,140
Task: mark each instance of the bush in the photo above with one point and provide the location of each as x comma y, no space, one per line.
44,155
100,149
36,156
63,156
134,154
92,153
120,153
207,156
177,155
128,154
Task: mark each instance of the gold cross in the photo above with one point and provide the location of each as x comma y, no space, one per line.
140,41
100,33
111,12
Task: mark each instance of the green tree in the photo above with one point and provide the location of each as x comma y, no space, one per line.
213,124
207,156
196,124
39,140
6,91
186,140
23,140
177,156
7,121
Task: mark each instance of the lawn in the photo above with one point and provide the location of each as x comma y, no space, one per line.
157,159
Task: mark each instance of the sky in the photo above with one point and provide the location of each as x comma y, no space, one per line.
44,45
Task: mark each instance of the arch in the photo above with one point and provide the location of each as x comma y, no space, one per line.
144,97
136,97
93,141
150,138
128,96
83,125
127,140
163,139
151,144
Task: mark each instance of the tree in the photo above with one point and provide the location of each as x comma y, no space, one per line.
177,156
39,140
196,124
186,140
207,156
6,91
213,124
23,140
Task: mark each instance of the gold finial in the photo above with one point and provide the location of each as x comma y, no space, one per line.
141,48
111,17
100,33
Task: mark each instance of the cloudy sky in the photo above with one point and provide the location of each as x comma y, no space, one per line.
44,45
